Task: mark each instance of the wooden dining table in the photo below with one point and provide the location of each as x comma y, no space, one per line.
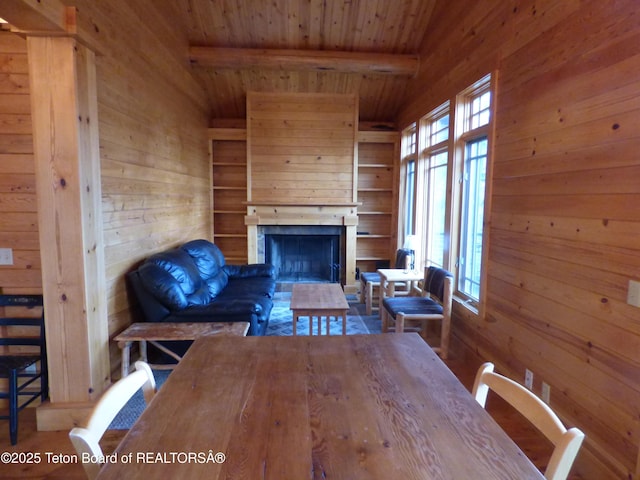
330,407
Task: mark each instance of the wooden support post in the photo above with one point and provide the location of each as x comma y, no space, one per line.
65,131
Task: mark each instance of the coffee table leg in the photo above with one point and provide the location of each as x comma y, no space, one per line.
328,325
295,323
344,324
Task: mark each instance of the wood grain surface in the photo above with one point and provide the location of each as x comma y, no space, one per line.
360,406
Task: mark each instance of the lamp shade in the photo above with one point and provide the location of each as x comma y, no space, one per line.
410,242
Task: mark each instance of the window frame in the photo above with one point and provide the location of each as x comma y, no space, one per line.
459,134
464,135
409,148
427,150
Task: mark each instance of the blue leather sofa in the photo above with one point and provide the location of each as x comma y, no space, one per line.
193,283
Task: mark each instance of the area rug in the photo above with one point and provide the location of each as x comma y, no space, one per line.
281,320
280,323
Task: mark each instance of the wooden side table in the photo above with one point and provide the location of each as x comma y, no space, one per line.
389,277
144,332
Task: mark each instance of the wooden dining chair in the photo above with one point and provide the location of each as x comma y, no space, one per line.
412,313
370,281
566,442
86,439
23,360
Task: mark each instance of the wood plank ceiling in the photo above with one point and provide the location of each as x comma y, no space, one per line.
363,26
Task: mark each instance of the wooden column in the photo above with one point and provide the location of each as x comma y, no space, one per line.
65,130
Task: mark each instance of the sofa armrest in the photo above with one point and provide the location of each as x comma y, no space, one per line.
153,310
251,270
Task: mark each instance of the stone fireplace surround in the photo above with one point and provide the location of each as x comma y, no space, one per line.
261,216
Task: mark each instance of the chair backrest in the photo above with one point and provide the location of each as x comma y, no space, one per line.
438,283
23,337
403,258
86,439
435,281
566,442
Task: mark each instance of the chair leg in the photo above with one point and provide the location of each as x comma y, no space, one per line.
400,322
445,335
384,319
13,406
368,297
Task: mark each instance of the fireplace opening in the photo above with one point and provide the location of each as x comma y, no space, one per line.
304,254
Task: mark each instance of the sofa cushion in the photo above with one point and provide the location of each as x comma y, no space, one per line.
261,286
207,257
182,286
162,286
251,270
209,261
217,283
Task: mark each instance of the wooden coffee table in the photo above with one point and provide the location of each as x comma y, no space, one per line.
151,332
318,300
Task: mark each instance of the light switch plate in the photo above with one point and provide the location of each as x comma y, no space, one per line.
6,256
633,295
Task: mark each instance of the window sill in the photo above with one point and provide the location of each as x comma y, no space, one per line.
469,306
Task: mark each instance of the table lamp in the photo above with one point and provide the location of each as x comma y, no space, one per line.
410,243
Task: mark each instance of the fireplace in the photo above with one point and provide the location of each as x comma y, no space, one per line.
303,253
311,220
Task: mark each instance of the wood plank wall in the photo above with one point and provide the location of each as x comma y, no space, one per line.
565,221
155,168
153,144
301,148
18,205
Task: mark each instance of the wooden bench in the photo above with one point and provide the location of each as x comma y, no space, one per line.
153,333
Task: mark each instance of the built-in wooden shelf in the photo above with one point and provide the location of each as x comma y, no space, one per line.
377,191
229,152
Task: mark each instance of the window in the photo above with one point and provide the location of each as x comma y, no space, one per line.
448,156
410,197
409,149
473,108
435,157
470,256
437,199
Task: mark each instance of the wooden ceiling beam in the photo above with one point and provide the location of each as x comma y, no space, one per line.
51,18
35,16
305,60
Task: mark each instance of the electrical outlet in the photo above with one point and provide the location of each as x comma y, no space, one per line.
546,392
528,379
6,256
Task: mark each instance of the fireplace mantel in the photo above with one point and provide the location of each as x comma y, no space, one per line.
306,204
345,215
